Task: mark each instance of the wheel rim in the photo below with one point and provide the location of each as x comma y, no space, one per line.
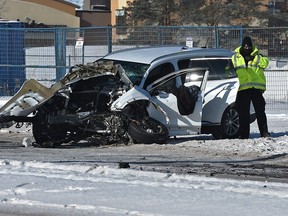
231,122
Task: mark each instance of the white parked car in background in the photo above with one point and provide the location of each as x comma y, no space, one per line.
144,95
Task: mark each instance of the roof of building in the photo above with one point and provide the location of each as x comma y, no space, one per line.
69,2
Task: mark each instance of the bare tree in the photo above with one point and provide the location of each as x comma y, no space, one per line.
222,12
191,12
278,13
156,12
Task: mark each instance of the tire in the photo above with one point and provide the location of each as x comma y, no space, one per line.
229,128
47,135
148,131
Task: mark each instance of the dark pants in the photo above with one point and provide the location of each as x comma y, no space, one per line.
243,101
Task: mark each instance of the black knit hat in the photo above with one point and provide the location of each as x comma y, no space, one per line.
247,40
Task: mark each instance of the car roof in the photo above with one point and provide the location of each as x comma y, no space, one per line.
147,55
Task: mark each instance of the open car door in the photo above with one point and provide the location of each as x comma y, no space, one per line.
176,101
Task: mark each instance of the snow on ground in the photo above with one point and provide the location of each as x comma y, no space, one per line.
47,188
100,190
3,100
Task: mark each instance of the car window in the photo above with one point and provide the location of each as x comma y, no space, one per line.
218,68
159,72
134,71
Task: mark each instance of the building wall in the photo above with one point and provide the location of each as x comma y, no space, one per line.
116,4
49,12
94,18
97,17
56,4
88,3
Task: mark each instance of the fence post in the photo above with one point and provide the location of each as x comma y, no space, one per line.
83,47
217,36
60,52
160,35
109,38
241,35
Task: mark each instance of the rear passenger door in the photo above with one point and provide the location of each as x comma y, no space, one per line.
221,88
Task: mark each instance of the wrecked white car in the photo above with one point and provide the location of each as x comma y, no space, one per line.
143,95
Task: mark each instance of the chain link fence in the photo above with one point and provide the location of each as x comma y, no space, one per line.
47,54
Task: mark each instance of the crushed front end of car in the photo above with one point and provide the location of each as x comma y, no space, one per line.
75,108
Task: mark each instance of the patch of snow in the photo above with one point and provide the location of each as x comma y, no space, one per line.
105,190
77,2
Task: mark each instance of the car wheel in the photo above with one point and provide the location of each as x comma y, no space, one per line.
47,135
148,131
229,127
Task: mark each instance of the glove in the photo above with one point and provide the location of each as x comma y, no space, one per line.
249,58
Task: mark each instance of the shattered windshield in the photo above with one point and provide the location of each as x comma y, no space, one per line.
135,71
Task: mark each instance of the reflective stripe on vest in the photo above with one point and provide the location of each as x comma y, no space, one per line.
252,84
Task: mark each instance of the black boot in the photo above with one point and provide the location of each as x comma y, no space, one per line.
265,134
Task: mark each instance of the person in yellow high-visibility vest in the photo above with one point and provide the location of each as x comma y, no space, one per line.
249,65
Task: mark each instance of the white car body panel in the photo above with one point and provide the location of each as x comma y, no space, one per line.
132,95
164,107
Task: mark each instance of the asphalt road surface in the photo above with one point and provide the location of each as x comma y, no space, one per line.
256,158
